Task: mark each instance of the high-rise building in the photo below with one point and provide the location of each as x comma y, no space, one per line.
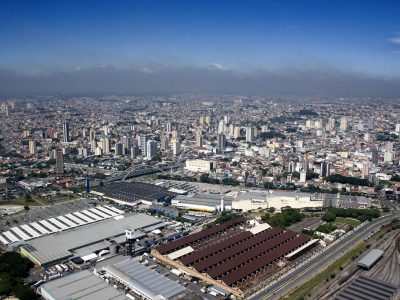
105,145
26,133
221,141
202,120
175,134
176,148
151,149
303,177
126,145
374,156
32,147
7,110
388,156
331,124
106,130
93,145
59,161
325,169
365,171
397,128
221,126
343,124
164,143
199,140
227,119
135,151
389,146
143,138
249,134
236,132
118,149
92,134
66,132
169,127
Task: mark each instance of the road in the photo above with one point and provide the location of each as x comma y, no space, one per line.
320,262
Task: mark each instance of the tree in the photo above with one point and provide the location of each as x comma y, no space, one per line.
271,209
28,197
328,217
26,208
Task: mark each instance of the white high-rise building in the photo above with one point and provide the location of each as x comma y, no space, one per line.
388,156
249,134
397,128
303,177
221,126
169,127
92,134
105,145
151,149
142,141
343,124
66,132
32,147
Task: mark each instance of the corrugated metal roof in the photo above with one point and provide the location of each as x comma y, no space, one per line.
149,282
240,247
252,253
82,285
370,258
57,246
172,246
365,287
264,260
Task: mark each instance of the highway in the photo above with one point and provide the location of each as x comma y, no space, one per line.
320,262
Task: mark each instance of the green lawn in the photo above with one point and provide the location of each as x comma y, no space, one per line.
348,221
20,201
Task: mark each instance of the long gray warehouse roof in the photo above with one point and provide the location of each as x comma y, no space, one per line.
364,287
370,258
146,281
204,199
58,246
82,285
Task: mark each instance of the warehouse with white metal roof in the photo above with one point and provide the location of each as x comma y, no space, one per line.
144,281
62,245
81,285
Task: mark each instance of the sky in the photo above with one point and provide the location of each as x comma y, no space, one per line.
271,46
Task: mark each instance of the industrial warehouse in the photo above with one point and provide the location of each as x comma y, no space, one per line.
234,255
33,230
144,281
83,242
132,193
247,200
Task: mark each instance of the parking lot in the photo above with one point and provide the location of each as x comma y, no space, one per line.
39,213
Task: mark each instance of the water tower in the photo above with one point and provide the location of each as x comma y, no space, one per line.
130,242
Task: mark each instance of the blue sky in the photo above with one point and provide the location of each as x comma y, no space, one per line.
350,36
